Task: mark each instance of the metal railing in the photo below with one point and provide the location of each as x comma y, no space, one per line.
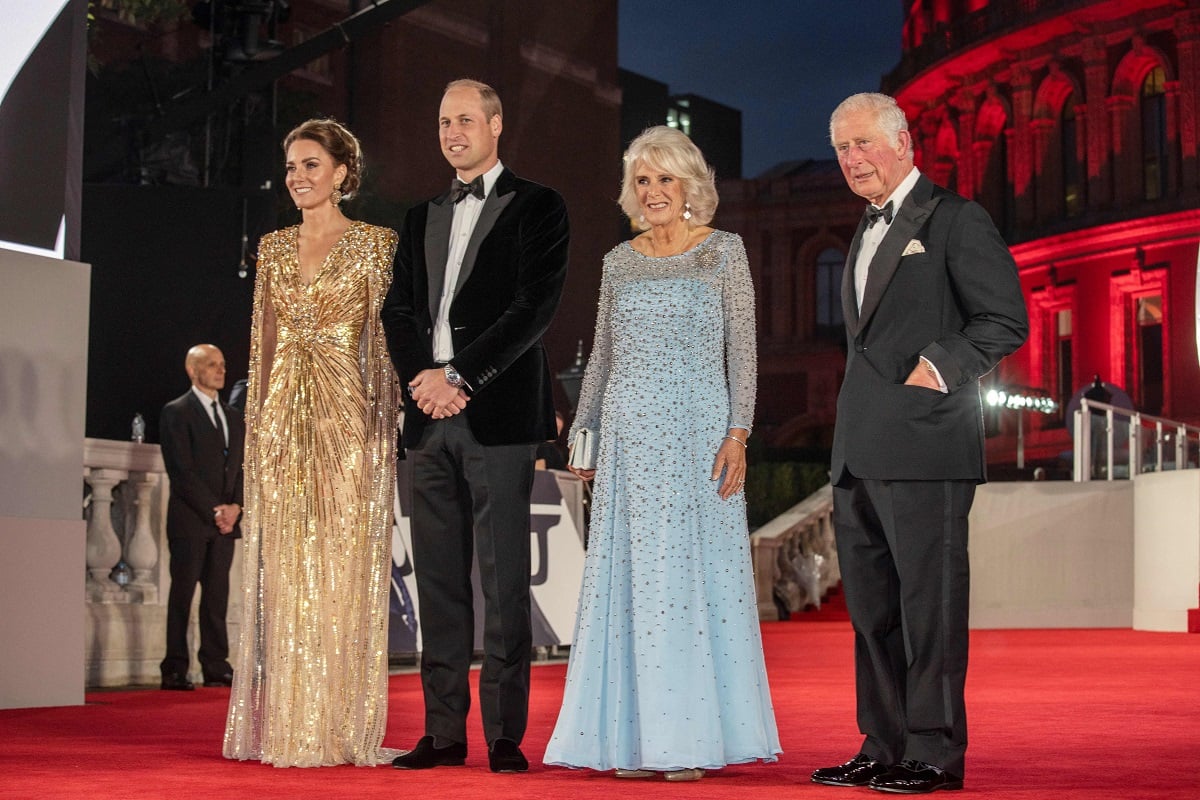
1114,443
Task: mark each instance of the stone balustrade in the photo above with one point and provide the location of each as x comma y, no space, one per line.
128,566
795,558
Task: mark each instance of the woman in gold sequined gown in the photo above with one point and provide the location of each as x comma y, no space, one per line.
310,675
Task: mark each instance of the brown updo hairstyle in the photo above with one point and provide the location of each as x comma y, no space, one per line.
339,142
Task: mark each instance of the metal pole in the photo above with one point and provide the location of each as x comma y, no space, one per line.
1020,439
1083,444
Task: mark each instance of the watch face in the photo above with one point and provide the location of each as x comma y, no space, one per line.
452,377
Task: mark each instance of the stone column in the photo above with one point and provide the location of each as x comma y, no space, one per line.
1020,151
1187,32
1128,182
1098,159
103,546
1045,171
141,550
1173,92
969,169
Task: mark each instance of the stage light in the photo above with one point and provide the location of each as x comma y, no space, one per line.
1021,399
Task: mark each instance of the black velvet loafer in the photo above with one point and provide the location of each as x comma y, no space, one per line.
426,756
505,756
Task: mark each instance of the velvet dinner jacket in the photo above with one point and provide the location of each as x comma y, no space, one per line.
202,474
507,291
942,285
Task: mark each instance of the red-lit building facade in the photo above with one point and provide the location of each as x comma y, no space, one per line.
1077,125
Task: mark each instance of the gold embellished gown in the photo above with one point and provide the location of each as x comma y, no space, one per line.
310,674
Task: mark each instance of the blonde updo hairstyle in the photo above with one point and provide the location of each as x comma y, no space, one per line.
670,151
339,142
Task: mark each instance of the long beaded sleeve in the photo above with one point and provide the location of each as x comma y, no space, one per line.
741,352
595,377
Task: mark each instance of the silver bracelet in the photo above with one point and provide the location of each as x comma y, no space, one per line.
734,439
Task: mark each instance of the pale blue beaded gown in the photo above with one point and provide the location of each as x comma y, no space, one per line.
666,668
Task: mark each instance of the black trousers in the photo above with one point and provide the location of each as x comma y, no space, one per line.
902,549
203,561
469,499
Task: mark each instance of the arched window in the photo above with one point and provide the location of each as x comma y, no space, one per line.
830,264
1154,134
1072,169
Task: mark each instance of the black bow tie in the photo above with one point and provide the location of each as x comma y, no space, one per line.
873,214
459,190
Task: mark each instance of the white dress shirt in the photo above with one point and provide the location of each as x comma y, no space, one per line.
207,402
466,214
873,235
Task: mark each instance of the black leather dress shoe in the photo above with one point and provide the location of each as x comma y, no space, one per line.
505,756
915,777
426,756
177,682
224,679
858,771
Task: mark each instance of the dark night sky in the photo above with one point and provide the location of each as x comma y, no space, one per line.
784,63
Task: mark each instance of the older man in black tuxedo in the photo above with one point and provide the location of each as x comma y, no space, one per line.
478,276
202,441
932,302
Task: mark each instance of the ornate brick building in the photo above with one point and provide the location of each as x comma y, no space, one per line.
1077,125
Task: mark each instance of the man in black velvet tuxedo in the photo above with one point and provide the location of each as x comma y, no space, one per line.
202,441
478,276
932,302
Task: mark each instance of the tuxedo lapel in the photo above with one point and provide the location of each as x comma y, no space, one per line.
502,194
849,301
910,218
437,249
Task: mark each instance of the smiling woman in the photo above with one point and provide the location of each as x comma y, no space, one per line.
320,417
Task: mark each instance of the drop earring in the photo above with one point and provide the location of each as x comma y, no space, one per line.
687,210
335,196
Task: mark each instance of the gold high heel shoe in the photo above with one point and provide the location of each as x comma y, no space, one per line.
693,774
633,773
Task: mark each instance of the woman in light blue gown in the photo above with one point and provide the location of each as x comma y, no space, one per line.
666,672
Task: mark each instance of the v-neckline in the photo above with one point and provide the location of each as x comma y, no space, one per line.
324,263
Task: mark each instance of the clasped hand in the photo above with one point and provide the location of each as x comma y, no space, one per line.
434,396
226,516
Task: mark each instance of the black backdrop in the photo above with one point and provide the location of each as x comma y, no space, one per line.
164,277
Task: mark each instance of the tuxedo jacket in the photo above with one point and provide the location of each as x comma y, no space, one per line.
507,291
202,474
941,285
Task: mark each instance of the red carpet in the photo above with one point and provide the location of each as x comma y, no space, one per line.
1054,714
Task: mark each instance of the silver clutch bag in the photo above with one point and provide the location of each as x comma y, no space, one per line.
583,449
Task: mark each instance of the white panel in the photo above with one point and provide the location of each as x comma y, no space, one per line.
1166,549
43,385
1052,554
41,612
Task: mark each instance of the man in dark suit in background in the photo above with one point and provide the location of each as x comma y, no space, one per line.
202,442
932,302
479,272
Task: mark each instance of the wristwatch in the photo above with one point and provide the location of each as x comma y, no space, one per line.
453,378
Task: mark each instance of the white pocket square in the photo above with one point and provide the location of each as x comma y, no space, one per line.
914,246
